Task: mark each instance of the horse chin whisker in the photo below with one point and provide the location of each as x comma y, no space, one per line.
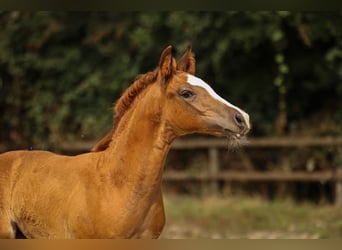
236,142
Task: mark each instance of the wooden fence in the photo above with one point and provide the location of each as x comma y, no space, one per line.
213,173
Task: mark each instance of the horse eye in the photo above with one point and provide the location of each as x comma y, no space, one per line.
187,94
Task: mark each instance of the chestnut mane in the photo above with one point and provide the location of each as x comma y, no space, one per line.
124,103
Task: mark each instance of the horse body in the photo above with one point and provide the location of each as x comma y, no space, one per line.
115,191
96,195
77,203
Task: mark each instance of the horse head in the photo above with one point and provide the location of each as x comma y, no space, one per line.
192,106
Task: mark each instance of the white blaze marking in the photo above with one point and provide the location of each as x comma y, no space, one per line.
193,80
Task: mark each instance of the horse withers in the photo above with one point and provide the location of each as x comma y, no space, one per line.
115,190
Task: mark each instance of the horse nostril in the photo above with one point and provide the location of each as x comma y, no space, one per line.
240,121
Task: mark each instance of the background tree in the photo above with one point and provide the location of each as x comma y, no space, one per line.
60,72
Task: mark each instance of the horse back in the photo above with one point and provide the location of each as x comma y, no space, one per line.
14,164
15,160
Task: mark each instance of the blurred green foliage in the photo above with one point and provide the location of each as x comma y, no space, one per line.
60,72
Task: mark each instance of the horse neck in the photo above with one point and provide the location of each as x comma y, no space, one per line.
140,144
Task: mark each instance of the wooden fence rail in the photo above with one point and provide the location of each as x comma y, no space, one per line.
322,176
259,142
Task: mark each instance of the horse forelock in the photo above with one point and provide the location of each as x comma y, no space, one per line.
124,103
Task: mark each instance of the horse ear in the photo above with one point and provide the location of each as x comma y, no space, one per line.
167,64
187,62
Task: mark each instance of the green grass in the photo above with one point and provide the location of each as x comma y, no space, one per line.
189,217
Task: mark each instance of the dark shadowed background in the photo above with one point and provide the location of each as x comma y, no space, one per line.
61,72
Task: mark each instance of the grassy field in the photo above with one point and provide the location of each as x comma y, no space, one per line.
244,218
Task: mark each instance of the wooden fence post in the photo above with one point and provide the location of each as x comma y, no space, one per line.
213,170
338,176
